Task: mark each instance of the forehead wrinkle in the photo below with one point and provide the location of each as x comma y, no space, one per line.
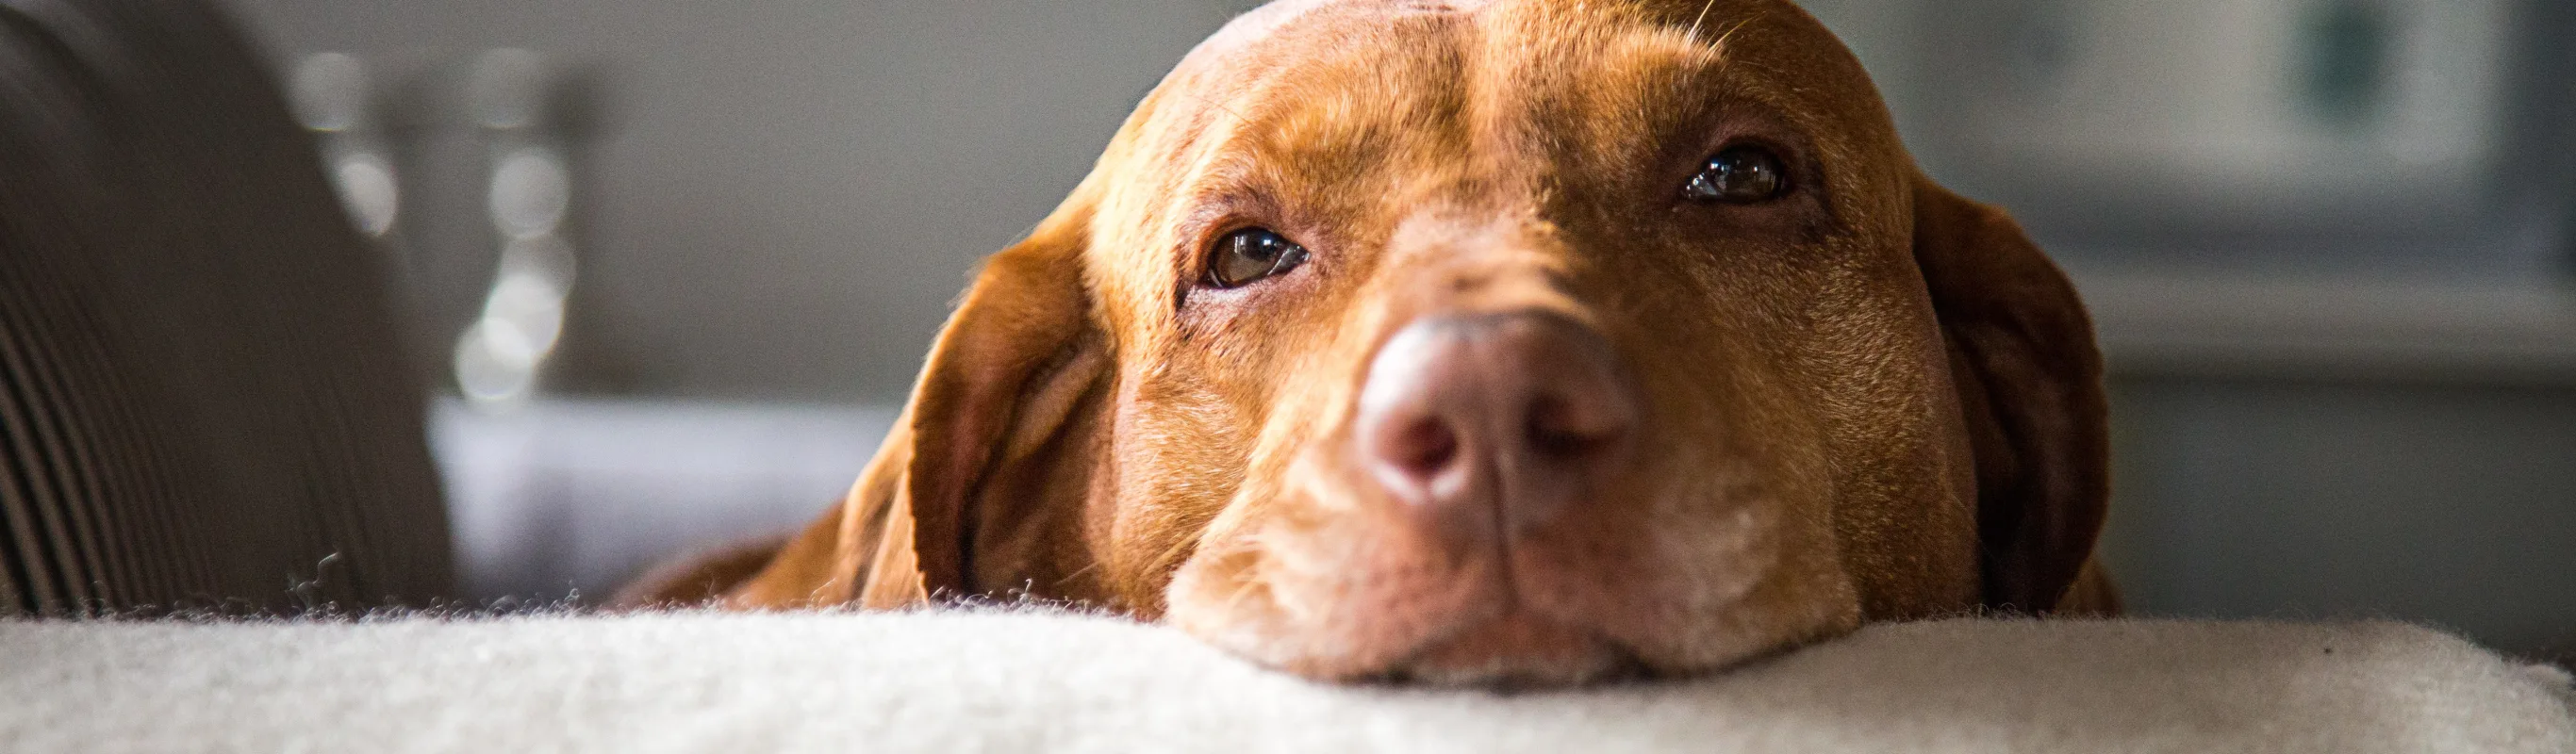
1565,89
1355,106
1259,24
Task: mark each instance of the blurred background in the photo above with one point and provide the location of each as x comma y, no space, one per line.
675,264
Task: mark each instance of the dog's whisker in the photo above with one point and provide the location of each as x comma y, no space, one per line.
1078,572
1693,34
1720,44
1244,587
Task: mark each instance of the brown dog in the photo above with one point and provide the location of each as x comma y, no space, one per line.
1523,339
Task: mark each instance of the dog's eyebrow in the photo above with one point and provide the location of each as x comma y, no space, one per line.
1669,48
1694,42
1691,43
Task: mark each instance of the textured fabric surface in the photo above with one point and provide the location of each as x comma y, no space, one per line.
203,396
1035,682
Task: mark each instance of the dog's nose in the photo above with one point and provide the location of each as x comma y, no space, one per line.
1495,422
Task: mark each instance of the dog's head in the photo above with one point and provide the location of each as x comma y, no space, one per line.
1514,339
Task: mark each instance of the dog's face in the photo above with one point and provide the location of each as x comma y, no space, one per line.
1484,340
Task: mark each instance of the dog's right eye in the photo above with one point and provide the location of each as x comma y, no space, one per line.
1250,254
1739,175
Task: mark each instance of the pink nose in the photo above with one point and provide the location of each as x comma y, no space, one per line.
1490,425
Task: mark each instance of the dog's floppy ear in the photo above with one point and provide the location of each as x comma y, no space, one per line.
1007,372
2030,384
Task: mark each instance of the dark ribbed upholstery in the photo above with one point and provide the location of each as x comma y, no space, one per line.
203,399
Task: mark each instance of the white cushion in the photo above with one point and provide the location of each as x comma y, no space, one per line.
1025,681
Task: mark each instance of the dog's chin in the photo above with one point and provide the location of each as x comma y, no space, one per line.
1357,604
1471,638
1517,649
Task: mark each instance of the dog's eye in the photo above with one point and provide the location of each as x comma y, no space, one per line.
1738,175
1251,254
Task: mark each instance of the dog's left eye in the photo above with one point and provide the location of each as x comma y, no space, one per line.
1739,175
1250,254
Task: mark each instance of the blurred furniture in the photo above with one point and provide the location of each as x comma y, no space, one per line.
2406,138
1033,681
572,497
203,400
2319,446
